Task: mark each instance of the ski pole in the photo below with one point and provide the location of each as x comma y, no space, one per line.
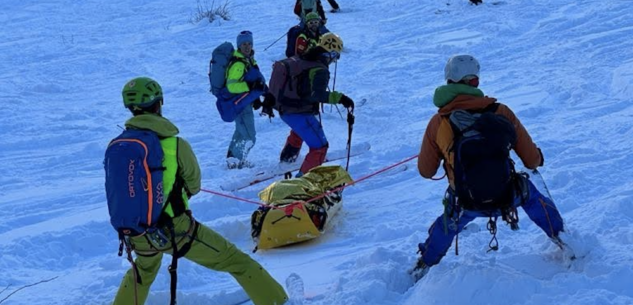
334,81
536,172
333,88
350,124
274,42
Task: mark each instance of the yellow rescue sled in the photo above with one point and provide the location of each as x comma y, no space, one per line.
293,219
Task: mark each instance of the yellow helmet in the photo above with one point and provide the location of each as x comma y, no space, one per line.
331,42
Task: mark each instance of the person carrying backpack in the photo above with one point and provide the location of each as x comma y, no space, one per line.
472,135
304,7
175,232
243,76
309,37
302,36
298,86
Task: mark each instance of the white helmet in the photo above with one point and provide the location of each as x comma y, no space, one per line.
460,66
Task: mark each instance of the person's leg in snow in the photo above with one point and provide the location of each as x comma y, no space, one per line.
334,5
441,235
292,148
214,252
309,129
243,139
539,208
129,290
543,212
208,249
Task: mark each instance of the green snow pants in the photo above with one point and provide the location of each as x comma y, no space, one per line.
208,249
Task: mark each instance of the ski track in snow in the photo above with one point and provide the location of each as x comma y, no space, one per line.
566,69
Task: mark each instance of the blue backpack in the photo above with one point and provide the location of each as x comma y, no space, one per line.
134,181
220,60
229,105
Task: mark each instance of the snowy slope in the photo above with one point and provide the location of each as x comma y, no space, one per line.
566,68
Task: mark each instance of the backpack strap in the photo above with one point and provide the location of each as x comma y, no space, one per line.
287,82
178,253
234,59
492,107
173,267
174,199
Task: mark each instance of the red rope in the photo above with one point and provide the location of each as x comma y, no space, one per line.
289,208
235,197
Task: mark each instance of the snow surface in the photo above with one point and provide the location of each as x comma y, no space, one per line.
565,67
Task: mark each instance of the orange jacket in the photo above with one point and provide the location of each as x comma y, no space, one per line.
438,137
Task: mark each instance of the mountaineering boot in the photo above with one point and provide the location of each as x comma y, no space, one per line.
289,154
476,2
232,163
420,270
235,163
567,250
335,10
245,164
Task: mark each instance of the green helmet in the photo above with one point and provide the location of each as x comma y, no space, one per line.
141,92
312,16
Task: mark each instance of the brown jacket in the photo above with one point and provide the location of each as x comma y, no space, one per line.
438,137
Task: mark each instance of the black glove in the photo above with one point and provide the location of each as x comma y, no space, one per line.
268,111
542,158
257,104
268,104
257,85
269,100
346,102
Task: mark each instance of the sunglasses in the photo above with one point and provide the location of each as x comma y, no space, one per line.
332,55
315,22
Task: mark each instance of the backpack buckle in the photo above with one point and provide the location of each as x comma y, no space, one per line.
158,238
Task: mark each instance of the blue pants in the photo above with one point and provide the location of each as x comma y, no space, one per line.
538,207
308,127
310,131
244,136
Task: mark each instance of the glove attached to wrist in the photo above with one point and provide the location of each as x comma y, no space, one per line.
257,103
268,104
256,86
340,98
347,102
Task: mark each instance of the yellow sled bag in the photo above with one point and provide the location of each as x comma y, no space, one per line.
296,216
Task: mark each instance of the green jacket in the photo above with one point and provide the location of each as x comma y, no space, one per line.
237,69
187,171
445,94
